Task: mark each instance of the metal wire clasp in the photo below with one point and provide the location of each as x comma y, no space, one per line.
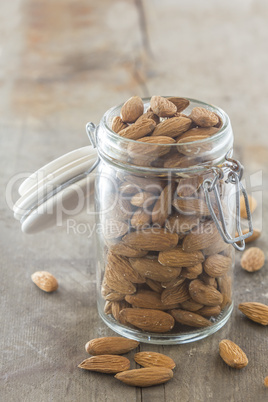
211,185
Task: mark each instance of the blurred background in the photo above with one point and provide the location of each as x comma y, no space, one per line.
64,63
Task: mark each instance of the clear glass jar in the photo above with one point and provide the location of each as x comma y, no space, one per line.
164,272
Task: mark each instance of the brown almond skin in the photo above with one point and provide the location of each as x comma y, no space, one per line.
154,359
138,130
253,259
177,294
162,107
217,265
148,319
204,294
148,299
207,311
145,377
257,312
150,268
181,103
110,345
151,239
132,109
255,235
252,206
190,318
118,124
45,281
109,364
172,127
232,354
177,257
204,117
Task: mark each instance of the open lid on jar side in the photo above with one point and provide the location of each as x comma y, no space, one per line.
160,158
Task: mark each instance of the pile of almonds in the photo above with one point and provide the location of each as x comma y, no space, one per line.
157,367
166,265
164,124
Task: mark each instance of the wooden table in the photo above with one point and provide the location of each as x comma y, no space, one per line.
63,64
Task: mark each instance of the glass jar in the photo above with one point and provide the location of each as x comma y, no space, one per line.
167,216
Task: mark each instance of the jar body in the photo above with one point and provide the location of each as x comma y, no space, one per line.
164,273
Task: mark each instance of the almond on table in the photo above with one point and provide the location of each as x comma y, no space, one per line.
253,259
110,345
232,354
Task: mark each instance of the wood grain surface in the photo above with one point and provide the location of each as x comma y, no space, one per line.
63,63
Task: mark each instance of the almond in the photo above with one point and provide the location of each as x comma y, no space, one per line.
110,345
122,267
192,272
207,132
190,318
145,377
138,129
116,281
193,206
181,103
149,114
194,146
162,107
172,283
181,224
154,285
204,236
180,161
154,359
132,109
150,268
143,199
225,287
207,311
154,239
232,354
148,299
175,295
217,265
108,307
45,281
257,312
172,127
106,364
253,259
188,186
140,218
126,251
252,206
204,117
148,319
191,305
117,306
204,294
118,124
163,207
150,146
266,382
177,257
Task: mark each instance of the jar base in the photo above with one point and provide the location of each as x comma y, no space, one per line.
167,339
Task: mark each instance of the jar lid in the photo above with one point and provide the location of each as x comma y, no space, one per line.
57,190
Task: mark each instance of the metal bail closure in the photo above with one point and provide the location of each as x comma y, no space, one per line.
234,177
91,130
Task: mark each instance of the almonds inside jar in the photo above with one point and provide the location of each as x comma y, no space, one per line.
167,268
